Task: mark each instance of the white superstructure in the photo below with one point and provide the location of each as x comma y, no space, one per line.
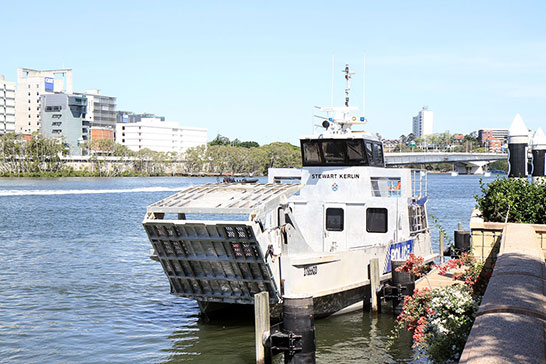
7,106
423,122
31,84
160,136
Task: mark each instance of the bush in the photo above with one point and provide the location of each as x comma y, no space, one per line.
514,198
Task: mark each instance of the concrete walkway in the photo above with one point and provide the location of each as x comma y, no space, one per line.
511,322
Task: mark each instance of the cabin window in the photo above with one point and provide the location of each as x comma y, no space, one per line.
334,219
340,152
334,151
374,151
376,220
355,151
311,152
378,154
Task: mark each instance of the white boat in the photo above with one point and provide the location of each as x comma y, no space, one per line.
454,173
309,231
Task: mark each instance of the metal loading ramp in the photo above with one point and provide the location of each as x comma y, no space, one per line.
215,261
214,198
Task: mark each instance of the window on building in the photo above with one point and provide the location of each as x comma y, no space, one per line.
376,220
334,219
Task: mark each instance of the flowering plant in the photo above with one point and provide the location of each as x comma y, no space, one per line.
414,265
439,320
469,270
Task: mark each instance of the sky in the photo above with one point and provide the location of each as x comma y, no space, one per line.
254,70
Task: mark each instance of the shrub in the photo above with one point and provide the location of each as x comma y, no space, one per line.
514,198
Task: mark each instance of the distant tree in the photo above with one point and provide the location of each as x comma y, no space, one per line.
248,144
220,140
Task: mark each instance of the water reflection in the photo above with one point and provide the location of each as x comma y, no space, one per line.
359,337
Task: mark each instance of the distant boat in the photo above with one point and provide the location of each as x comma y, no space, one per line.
497,171
487,174
454,174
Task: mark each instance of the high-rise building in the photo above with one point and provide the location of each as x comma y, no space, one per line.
101,109
31,84
422,123
161,136
7,106
62,117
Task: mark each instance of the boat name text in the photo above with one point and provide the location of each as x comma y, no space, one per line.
334,176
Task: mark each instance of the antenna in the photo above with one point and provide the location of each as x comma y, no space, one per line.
364,86
332,90
348,76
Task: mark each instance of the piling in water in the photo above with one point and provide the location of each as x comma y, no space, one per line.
298,319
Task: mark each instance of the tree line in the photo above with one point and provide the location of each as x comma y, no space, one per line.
41,156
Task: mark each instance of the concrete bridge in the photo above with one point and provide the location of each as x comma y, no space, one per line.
464,162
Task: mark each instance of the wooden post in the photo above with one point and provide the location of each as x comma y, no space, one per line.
374,283
261,320
460,226
441,247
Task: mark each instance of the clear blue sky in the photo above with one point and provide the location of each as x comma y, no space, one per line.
255,69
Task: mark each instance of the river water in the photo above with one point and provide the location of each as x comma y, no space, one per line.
77,286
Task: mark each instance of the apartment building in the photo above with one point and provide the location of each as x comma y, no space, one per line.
31,84
7,106
423,122
160,136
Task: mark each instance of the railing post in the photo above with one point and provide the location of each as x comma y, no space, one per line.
261,319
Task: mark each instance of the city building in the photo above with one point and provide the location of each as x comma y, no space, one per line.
131,117
7,106
101,109
158,135
31,84
493,139
62,117
422,123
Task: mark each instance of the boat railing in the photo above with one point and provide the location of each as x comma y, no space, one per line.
419,183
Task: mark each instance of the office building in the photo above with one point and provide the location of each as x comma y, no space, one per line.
101,109
62,117
422,123
160,136
31,84
7,106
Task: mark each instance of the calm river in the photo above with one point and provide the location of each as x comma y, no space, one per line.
77,286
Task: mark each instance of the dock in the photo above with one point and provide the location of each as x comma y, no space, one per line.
435,280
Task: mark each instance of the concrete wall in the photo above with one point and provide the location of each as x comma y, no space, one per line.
511,322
